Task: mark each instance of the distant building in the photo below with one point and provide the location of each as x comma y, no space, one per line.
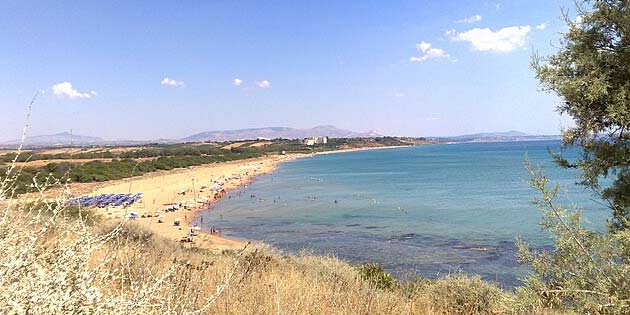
315,140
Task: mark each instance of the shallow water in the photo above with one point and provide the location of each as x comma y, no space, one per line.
425,210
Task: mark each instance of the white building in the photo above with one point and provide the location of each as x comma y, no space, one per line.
315,140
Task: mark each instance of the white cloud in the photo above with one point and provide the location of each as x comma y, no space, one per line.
504,40
423,46
237,82
471,19
428,52
541,26
64,89
264,84
171,82
398,94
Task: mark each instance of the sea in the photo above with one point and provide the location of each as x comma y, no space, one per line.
429,210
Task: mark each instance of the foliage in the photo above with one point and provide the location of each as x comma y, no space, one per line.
375,274
591,73
459,294
587,272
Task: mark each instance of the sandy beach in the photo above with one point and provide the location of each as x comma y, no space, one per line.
190,190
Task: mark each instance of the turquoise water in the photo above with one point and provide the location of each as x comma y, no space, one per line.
428,210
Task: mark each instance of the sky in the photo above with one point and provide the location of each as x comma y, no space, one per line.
167,69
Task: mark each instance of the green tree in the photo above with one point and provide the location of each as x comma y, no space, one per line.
591,74
587,272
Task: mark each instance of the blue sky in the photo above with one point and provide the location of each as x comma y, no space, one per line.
167,69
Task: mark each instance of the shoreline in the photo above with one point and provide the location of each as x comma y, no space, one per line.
293,157
160,190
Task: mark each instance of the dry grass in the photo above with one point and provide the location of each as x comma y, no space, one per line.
266,282
260,144
39,163
234,145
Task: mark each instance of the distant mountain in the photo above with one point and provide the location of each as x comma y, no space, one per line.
511,135
55,140
65,139
274,133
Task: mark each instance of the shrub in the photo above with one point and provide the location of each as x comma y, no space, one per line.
463,295
376,275
587,272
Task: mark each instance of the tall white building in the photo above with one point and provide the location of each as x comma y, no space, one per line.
315,140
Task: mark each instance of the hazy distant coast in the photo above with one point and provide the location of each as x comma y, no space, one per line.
65,139
512,135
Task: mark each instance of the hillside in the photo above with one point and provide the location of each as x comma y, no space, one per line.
512,135
65,139
275,133
58,139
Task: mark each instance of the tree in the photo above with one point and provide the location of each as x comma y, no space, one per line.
591,74
587,272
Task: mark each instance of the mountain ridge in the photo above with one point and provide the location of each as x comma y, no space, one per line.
58,139
66,139
276,132
512,135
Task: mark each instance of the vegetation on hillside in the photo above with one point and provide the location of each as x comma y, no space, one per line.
133,162
193,149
